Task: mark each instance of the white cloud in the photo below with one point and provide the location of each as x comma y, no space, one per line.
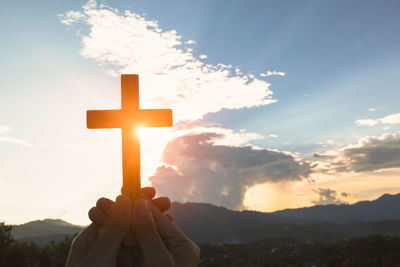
70,17
170,75
4,128
328,142
370,154
13,140
272,73
273,135
198,167
366,122
372,109
154,140
238,71
389,119
226,137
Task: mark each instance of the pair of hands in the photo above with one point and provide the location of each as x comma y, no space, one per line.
157,241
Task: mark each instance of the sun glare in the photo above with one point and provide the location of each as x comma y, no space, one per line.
138,131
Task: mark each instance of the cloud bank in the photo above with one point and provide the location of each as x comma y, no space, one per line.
390,119
327,196
197,168
170,74
370,154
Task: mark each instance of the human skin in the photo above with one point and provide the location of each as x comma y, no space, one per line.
158,242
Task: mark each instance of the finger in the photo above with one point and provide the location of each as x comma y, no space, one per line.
162,203
90,233
173,237
113,234
100,214
169,217
126,257
148,238
98,217
105,205
149,192
81,244
165,227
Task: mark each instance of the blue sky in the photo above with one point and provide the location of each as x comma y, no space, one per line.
339,63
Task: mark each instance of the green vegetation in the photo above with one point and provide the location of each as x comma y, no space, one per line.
366,251
15,253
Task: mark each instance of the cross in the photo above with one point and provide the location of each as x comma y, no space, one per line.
129,118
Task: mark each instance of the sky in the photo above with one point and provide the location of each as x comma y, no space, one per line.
276,104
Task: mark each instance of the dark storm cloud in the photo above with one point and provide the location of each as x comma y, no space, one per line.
197,170
327,196
372,153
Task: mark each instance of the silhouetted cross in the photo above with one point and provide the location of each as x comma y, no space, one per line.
129,118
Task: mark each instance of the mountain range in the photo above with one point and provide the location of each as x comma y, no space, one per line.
206,223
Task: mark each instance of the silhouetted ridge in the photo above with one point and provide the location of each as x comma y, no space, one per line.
206,223
45,230
386,207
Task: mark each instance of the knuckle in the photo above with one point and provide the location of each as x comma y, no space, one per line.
105,205
92,213
101,202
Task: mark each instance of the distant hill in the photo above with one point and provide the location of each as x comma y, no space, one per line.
206,223
44,231
387,207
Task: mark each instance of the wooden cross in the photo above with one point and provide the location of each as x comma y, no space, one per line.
129,118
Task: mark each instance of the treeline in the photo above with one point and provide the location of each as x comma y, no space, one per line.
15,253
364,251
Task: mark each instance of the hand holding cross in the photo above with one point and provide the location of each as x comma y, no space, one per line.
128,118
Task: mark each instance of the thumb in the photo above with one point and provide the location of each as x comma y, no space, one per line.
112,235
154,251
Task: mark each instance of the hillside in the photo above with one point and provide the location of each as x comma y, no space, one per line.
44,231
387,207
206,223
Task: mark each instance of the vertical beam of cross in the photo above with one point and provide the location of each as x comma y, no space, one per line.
129,118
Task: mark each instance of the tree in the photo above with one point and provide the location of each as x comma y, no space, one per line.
6,242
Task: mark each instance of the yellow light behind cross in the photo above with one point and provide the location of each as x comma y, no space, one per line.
129,118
